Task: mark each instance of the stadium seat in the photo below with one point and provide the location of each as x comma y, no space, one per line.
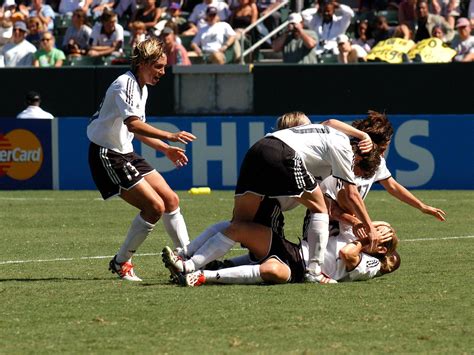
390,15
186,42
61,23
328,58
84,61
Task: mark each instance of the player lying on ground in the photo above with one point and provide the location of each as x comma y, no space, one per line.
118,170
380,130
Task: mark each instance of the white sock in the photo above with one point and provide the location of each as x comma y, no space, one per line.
318,235
176,228
139,230
242,260
198,242
215,247
244,274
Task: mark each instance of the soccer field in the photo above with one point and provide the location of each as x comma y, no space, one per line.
58,296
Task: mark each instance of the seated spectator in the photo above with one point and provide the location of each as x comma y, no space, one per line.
437,32
44,12
243,15
266,6
77,36
383,31
107,36
296,43
449,9
213,39
67,7
173,14
328,25
139,33
48,55
464,45
426,22
35,31
33,100
362,37
349,53
175,52
96,8
6,32
197,19
19,52
470,12
407,14
149,14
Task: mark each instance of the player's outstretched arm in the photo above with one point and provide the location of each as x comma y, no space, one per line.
175,154
401,193
365,142
135,125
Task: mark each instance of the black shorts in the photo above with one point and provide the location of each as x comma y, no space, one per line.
290,254
271,168
269,215
113,171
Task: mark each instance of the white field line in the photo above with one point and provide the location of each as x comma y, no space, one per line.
156,254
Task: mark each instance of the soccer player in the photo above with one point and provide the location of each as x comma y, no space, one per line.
379,128
118,170
289,162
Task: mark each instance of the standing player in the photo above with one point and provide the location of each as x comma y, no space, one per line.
117,170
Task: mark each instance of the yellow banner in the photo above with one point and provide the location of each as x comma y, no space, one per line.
390,50
432,50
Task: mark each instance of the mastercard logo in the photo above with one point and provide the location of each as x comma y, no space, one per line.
21,154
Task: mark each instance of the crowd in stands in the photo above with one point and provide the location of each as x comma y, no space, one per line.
52,33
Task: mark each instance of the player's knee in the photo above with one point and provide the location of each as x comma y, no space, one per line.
155,210
274,273
171,202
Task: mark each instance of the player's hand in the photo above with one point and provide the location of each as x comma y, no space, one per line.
359,231
374,237
435,212
177,156
366,145
183,137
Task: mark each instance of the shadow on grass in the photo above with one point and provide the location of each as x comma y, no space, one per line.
55,279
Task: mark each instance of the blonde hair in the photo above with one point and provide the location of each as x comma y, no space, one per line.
37,21
291,119
137,25
390,261
147,51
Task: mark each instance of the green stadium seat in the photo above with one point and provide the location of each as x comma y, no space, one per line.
328,58
390,15
84,61
186,42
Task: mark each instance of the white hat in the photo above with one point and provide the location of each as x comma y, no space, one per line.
295,17
9,3
342,39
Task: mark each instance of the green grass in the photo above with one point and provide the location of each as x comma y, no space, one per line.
77,306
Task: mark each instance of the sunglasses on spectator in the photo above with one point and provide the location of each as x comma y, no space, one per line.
46,39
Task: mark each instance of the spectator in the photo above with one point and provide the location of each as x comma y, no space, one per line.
139,33
437,32
296,43
464,45
328,25
470,12
67,7
213,39
243,15
18,53
48,55
35,31
175,52
383,31
427,21
149,14
6,32
197,19
362,37
97,7
449,9
44,12
107,36
77,36
266,6
407,14
349,53
33,100
173,14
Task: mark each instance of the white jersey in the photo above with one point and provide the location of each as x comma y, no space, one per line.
124,98
334,267
36,112
323,150
331,185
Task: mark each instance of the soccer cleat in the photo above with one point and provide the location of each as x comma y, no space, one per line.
193,279
172,262
319,278
123,270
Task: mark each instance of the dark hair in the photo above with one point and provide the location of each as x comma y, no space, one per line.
377,126
368,162
32,97
107,15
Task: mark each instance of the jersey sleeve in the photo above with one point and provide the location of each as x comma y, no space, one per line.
368,268
341,156
127,99
382,172
331,186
